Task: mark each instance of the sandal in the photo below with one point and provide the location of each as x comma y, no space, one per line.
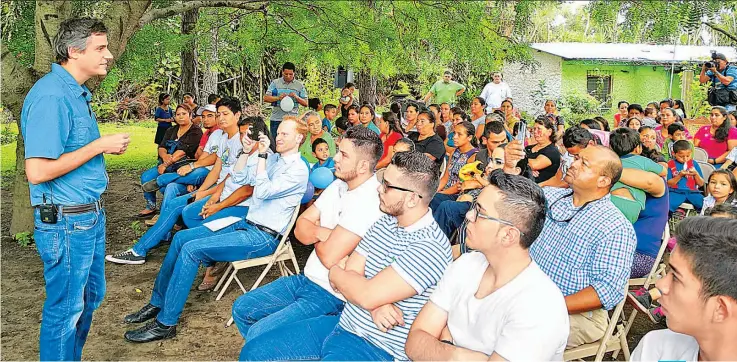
143,214
205,286
152,221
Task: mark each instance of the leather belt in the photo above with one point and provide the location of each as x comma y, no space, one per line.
79,209
271,232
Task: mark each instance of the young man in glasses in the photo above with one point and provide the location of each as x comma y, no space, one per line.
487,304
390,275
587,245
699,296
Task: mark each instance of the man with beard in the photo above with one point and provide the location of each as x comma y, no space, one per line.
401,258
280,184
334,225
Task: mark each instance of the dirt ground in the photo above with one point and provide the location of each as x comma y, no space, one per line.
201,334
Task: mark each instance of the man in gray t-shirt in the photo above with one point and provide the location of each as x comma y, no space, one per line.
283,87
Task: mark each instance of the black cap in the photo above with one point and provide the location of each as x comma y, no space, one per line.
720,56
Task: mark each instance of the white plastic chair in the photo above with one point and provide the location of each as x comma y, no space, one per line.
699,154
706,170
612,341
283,252
443,166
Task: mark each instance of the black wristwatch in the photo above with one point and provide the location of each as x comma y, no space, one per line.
263,155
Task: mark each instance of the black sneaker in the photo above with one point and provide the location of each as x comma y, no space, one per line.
126,257
152,331
147,312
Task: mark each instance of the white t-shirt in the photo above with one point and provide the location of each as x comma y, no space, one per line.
524,320
354,210
732,156
494,94
245,176
666,345
226,148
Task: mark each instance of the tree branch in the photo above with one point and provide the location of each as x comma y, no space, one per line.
719,29
154,14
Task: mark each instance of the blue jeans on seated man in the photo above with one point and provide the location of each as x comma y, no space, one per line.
73,254
191,213
284,301
192,247
450,215
196,177
342,345
440,198
153,174
301,341
679,196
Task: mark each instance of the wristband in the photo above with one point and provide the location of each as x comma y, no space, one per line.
263,155
191,166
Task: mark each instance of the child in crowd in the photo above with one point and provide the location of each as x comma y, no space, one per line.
341,125
643,299
731,162
676,132
721,189
331,111
321,151
650,117
315,104
684,177
634,123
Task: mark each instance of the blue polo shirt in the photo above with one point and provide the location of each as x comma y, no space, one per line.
730,71
57,119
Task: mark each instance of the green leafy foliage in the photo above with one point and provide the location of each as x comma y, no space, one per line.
576,106
24,239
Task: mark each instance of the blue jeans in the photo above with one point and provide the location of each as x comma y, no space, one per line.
678,196
196,177
171,209
191,213
440,198
450,215
342,345
273,128
73,254
301,341
189,249
281,302
146,176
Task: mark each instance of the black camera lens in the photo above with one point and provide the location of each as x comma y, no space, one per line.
709,65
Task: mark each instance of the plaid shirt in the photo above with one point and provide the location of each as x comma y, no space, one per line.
595,248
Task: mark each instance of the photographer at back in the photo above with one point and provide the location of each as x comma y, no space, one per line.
723,91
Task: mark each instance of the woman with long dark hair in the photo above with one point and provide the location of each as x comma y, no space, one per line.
718,138
391,132
163,116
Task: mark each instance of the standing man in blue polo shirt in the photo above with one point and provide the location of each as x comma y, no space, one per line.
283,87
66,170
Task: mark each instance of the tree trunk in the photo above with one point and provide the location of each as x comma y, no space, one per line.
366,84
210,75
189,55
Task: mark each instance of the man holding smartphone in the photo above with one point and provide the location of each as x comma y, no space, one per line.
66,171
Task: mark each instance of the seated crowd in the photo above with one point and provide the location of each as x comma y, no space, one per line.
446,236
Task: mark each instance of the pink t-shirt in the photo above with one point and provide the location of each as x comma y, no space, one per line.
713,148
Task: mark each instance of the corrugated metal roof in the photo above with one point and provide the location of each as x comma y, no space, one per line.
633,52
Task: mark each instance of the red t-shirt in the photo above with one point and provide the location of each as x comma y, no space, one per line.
206,136
390,141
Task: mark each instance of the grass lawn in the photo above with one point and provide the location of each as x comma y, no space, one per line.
141,152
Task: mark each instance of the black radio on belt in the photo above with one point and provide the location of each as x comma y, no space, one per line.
49,212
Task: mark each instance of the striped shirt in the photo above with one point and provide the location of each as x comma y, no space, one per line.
419,253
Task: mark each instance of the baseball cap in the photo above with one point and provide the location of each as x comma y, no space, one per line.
720,56
209,108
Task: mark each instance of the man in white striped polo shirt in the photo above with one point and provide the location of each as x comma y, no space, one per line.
394,269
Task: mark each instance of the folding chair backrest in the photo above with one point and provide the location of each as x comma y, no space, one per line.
443,166
699,154
706,169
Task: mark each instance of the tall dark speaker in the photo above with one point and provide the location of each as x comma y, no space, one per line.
341,77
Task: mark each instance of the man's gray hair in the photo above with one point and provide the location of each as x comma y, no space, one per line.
73,33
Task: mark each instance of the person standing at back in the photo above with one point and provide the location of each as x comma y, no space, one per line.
445,90
495,92
283,87
66,171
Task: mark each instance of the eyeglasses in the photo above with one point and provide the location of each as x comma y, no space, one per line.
385,186
474,213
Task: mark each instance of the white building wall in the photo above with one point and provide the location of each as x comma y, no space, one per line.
525,82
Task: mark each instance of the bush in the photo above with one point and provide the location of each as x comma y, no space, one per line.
576,106
7,136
